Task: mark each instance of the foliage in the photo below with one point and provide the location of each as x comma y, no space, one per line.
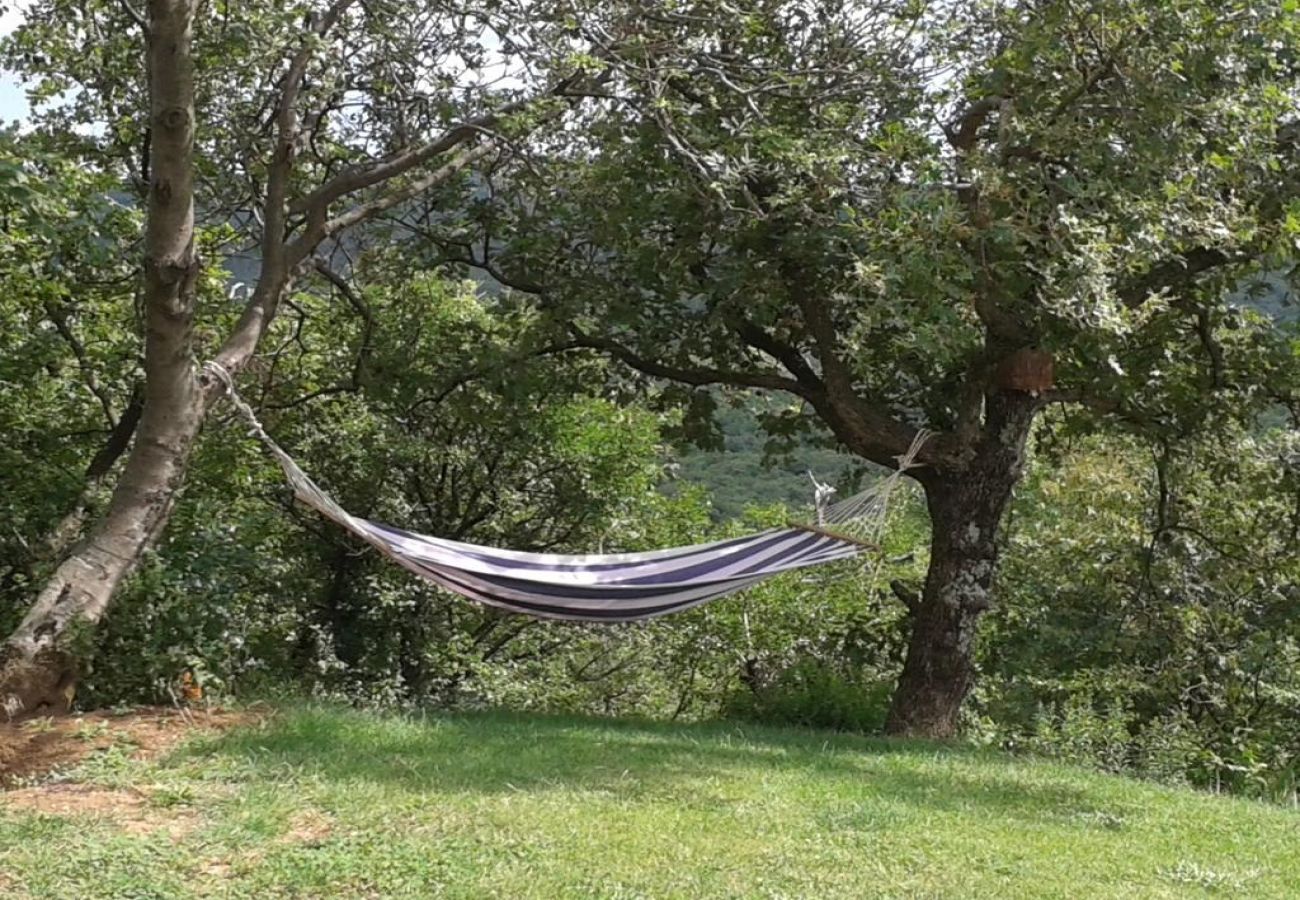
67,359
944,183
1149,616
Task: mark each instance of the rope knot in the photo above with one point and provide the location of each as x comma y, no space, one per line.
222,374
822,494
908,460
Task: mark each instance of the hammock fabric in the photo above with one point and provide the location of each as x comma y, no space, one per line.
612,587
618,587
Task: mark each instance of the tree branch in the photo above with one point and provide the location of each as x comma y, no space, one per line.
358,178
1088,85
473,374
287,127
906,596
963,132
60,321
860,424
1175,272
134,15
277,271
119,438
319,228
697,375
786,354
520,283
362,309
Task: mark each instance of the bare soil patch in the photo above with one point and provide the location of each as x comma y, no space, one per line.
129,810
35,748
310,827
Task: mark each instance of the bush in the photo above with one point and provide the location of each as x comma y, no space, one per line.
813,695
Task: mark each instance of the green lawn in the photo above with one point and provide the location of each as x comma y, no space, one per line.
323,802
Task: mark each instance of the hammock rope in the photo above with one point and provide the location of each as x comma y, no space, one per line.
615,587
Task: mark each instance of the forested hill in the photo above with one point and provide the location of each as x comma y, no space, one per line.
1272,297
745,473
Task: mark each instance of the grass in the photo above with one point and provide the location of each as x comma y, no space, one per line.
325,802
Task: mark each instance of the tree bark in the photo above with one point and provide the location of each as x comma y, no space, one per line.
966,509
68,528
37,667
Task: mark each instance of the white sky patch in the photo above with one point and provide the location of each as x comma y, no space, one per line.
13,98
498,69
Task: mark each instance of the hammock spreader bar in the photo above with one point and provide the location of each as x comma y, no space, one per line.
615,587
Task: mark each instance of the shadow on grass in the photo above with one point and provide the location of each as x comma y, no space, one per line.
501,752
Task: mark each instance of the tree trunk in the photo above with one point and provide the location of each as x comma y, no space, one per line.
68,528
342,615
966,509
37,669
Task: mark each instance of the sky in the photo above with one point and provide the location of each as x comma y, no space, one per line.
13,99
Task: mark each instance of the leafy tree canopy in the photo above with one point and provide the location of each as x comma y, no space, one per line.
871,205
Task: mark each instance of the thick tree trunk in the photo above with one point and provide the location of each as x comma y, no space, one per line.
37,669
966,509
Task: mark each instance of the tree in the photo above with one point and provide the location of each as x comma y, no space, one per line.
1158,632
279,126
908,216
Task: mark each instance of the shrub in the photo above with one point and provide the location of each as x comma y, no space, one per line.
813,695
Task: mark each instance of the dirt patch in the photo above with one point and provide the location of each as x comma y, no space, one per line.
310,827
218,868
72,799
35,748
129,810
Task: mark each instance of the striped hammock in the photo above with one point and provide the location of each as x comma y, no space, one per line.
614,587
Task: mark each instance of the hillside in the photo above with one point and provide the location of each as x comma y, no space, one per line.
319,802
744,473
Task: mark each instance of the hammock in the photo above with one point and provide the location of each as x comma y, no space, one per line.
613,587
